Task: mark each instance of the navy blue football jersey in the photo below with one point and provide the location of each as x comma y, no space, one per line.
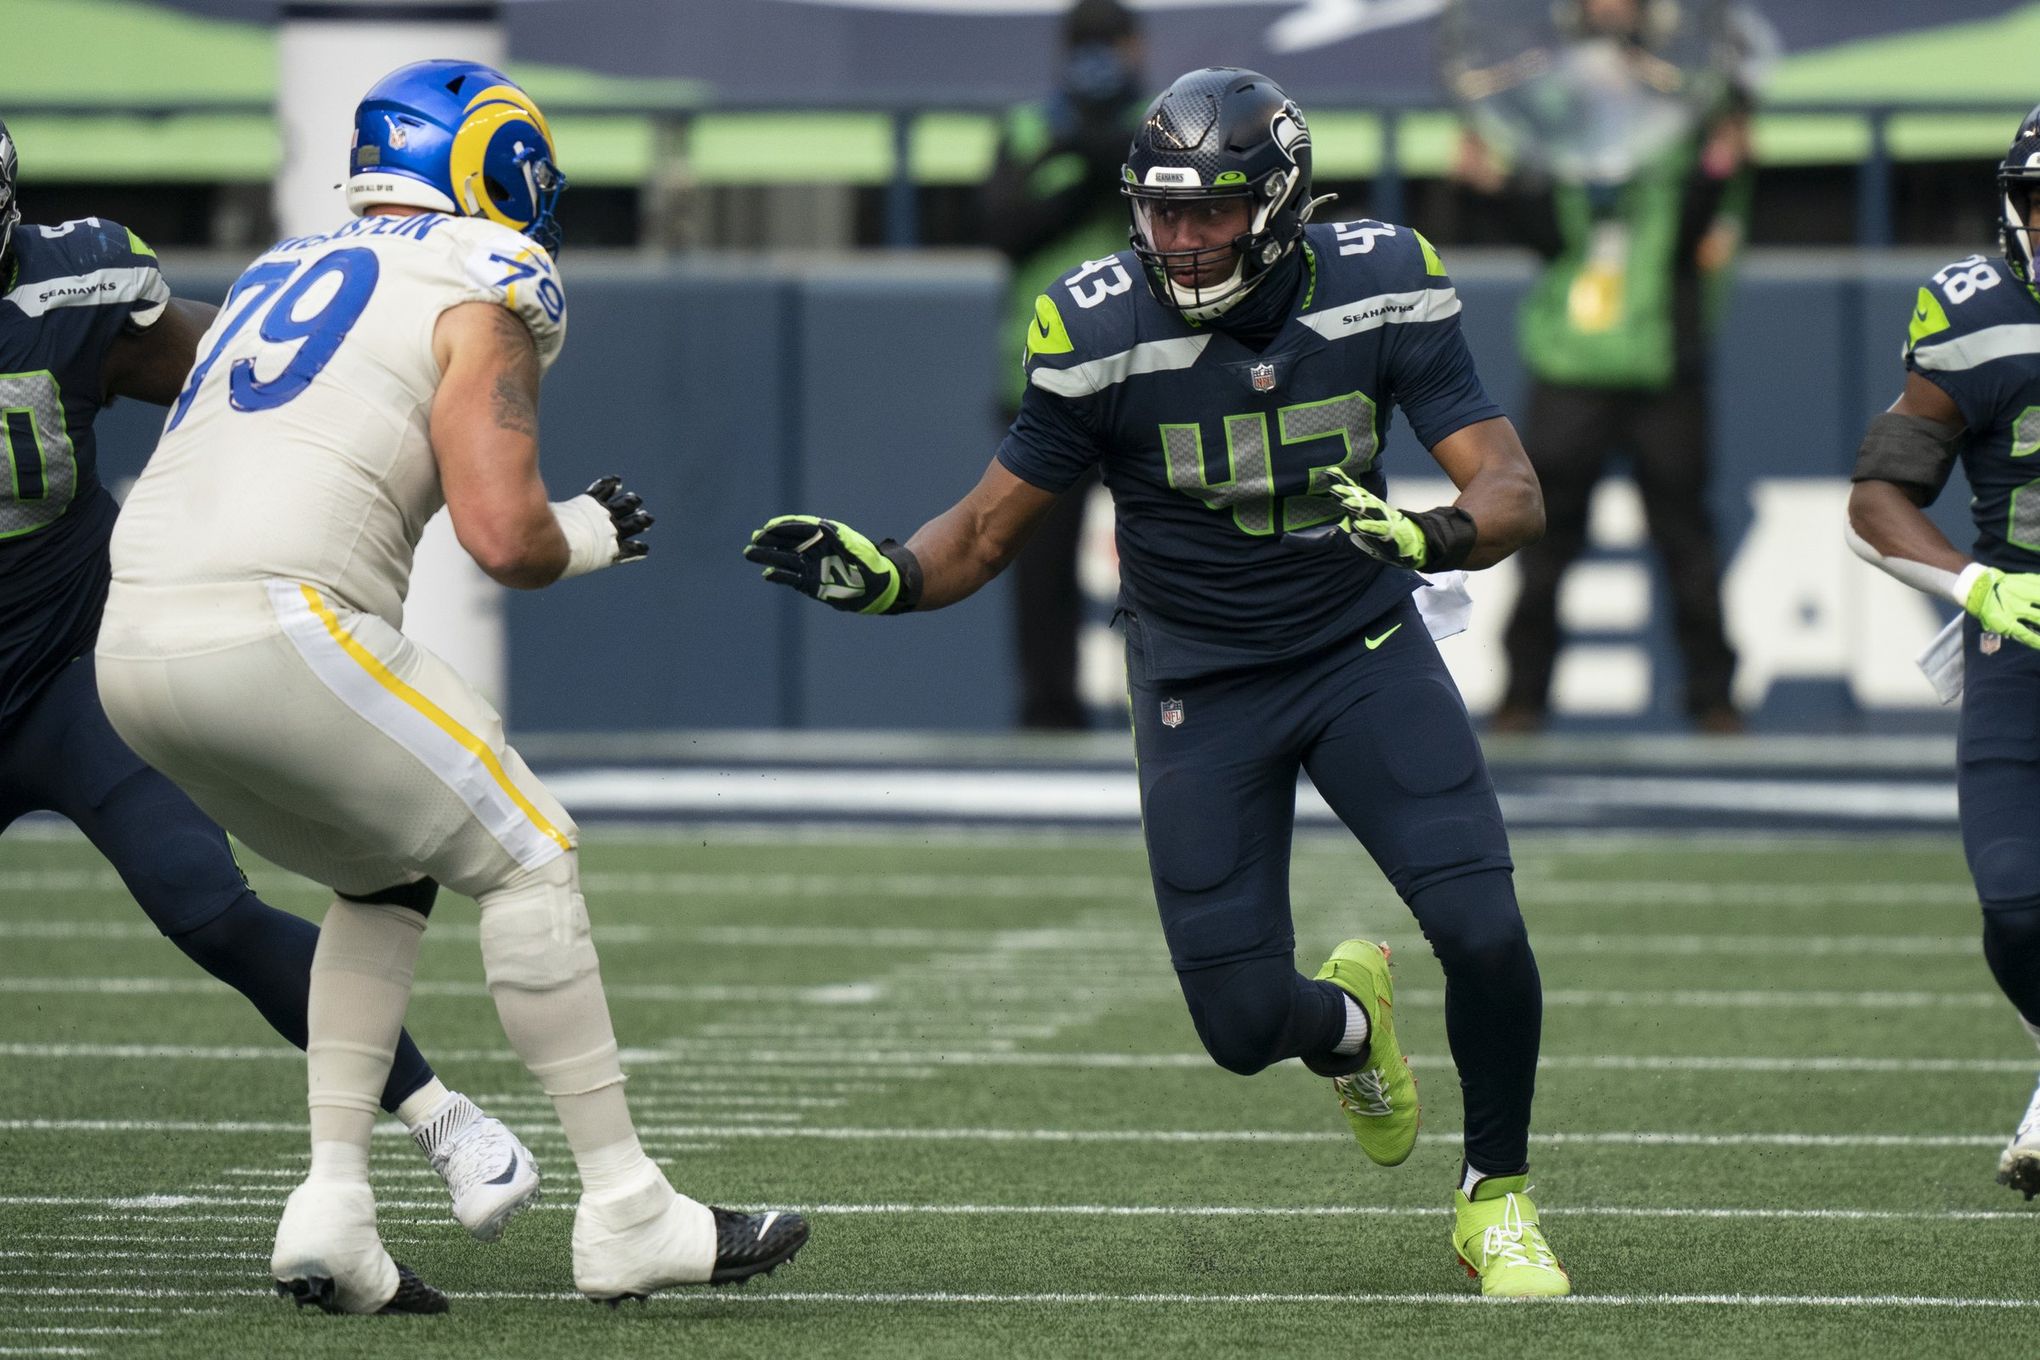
69,291
1213,451
1975,334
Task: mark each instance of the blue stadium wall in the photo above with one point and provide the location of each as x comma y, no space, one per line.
732,390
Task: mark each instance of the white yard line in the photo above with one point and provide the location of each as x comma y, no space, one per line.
149,1248
787,1066
1613,1138
868,993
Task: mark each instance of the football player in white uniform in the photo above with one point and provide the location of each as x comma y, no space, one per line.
352,384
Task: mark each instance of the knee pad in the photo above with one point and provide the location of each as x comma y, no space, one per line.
535,932
2007,874
1246,1013
2015,928
1473,920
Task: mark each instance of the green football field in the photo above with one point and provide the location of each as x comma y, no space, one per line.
1776,1077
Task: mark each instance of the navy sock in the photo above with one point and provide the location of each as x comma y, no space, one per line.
266,956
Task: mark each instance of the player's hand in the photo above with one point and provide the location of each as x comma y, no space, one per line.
1376,527
627,512
2007,603
830,562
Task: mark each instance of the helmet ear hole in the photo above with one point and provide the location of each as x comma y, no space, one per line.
494,188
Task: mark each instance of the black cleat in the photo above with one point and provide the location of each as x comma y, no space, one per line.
413,1294
754,1244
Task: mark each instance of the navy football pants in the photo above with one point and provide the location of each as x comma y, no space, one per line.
1384,736
60,755
1998,781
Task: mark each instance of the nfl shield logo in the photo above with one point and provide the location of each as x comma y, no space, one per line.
1989,644
1263,377
1172,712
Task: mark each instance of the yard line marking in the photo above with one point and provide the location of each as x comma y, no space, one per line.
788,1064
1405,1297
1311,878
255,1246
1624,1138
1762,998
823,994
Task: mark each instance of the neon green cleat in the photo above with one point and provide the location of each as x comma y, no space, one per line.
1380,1100
1501,1245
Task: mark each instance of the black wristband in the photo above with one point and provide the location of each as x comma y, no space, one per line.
909,567
1449,536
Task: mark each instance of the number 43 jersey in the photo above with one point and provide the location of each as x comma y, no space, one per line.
300,447
1975,334
1213,451
67,293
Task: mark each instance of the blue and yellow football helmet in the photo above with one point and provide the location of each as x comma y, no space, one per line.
457,137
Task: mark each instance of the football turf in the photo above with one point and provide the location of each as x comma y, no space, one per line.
1776,1078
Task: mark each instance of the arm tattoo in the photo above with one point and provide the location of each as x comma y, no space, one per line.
514,402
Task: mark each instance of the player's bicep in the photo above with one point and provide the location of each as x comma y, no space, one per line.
1927,400
484,430
152,364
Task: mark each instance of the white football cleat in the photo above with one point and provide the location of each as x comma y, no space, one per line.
328,1256
490,1174
2019,1167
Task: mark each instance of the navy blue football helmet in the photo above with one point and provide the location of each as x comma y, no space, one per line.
2016,179
1219,133
10,210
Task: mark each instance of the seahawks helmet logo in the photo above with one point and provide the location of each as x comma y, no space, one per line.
1287,129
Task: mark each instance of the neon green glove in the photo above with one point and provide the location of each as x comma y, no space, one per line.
835,564
1377,528
2007,603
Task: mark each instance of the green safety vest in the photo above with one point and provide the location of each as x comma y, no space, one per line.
1101,234
1601,314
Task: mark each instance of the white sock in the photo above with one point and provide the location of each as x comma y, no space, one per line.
361,983
337,1161
612,1167
1356,1029
419,1106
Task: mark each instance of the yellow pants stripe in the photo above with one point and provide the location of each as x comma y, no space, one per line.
433,713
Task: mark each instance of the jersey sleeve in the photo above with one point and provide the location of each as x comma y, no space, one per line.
1430,369
500,266
1951,339
1051,442
121,268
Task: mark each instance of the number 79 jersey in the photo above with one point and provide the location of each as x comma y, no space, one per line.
299,447
1975,334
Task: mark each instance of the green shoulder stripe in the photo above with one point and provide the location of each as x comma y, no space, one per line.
1433,266
1046,334
138,245
1928,318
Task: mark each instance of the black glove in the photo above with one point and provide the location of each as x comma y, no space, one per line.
626,512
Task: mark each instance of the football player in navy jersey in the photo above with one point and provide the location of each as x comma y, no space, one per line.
85,317
1972,392
1233,376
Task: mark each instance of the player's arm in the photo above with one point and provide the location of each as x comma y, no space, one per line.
1500,507
484,431
152,363
946,560
1904,461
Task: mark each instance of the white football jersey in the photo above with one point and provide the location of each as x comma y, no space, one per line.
299,447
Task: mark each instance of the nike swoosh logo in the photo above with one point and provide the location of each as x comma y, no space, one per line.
1920,315
765,1224
507,1175
1374,642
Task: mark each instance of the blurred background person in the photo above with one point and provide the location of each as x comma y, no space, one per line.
1052,199
1636,198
